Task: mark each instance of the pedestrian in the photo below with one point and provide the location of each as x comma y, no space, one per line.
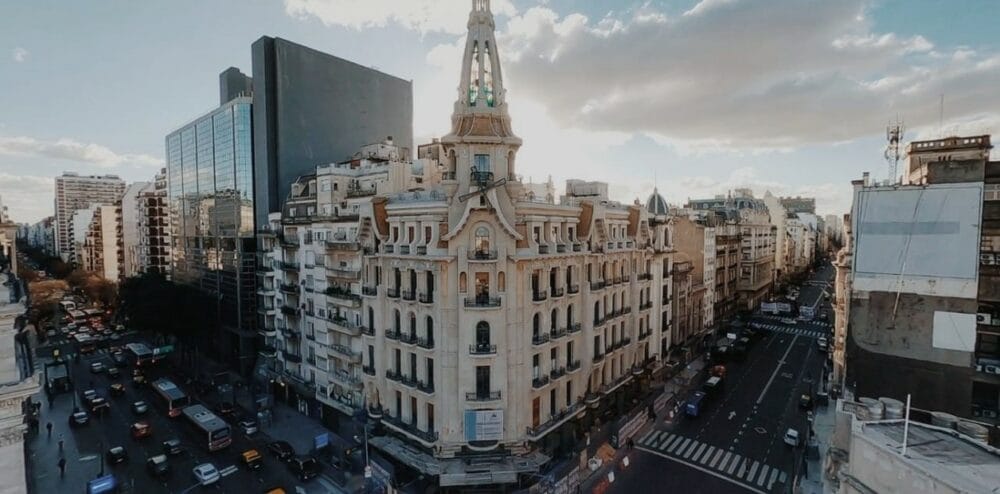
48,426
62,467
60,443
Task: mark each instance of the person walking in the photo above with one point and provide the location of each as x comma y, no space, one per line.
60,443
48,427
62,467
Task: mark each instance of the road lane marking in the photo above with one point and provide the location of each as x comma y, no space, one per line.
782,477
763,476
734,464
656,437
753,470
776,369
705,470
708,454
225,472
666,439
774,475
715,460
725,459
691,449
698,452
682,444
645,436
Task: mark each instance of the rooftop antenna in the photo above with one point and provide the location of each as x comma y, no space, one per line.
894,135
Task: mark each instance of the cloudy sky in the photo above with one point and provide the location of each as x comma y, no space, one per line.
695,96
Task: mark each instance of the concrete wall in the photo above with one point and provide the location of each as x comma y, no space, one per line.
882,470
310,108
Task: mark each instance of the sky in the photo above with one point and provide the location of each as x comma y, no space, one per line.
695,97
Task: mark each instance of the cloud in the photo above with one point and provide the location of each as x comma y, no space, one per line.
71,150
28,198
752,74
424,16
20,54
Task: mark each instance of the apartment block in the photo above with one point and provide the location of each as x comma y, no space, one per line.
74,192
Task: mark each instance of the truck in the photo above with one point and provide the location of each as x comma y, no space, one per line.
693,406
712,386
57,378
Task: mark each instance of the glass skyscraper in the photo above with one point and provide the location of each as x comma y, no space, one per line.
210,189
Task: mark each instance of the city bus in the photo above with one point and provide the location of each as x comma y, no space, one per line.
172,396
139,354
213,429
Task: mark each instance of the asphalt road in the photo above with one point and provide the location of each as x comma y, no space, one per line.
735,444
84,447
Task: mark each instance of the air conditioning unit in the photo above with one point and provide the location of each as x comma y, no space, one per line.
983,318
992,369
987,259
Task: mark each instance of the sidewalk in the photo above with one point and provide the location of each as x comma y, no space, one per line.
814,480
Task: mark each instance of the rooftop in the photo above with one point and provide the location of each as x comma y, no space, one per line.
942,454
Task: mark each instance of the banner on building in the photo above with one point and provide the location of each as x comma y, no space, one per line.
483,425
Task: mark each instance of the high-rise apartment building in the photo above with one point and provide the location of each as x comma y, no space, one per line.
131,235
154,227
74,192
210,197
40,235
101,252
310,108
924,283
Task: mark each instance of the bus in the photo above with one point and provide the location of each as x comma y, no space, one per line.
212,428
172,396
139,354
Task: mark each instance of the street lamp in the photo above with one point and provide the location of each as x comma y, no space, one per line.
100,457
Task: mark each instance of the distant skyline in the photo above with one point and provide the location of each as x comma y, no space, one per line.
695,97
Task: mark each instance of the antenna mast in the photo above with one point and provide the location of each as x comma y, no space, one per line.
894,135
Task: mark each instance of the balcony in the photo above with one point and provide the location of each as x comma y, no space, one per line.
481,178
426,298
344,352
392,292
557,372
343,295
573,366
368,331
645,276
540,339
558,333
289,266
368,370
598,321
483,255
345,378
646,305
483,396
288,243
404,249
643,336
265,310
543,248
556,292
574,328
408,338
598,358
577,247
291,289
421,250
389,248
344,245
427,344
539,296
289,333
391,334
540,382
483,349
408,295
369,291
426,388
427,438
536,433
572,289
291,357
598,285
289,310
482,302
560,248
343,273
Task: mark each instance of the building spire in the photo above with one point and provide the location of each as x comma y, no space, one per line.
481,85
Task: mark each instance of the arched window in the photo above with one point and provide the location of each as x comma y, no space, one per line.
395,321
482,334
430,329
482,241
413,323
371,319
555,319
536,324
569,315
597,312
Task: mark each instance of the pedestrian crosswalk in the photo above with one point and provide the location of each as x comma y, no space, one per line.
808,333
740,469
824,324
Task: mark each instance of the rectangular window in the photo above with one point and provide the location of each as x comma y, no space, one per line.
481,162
552,402
483,380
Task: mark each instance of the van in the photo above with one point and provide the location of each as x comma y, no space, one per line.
693,405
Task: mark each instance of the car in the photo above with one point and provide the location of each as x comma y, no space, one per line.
141,429
248,426
281,449
119,359
225,408
788,321
791,437
114,373
115,337
77,419
97,367
719,371
806,401
158,466
98,404
206,474
822,343
89,394
138,378
173,447
140,407
252,459
304,467
117,389
824,317
116,455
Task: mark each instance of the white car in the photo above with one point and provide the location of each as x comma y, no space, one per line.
207,474
822,343
792,437
788,320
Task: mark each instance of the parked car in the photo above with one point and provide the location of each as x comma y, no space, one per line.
98,405
138,377
788,321
117,389
822,343
248,426
140,407
89,395
791,437
116,455
252,459
119,359
158,466
806,401
173,447
97,367
113,372
207,474
226,408
281,449
78,419
141,429
304,467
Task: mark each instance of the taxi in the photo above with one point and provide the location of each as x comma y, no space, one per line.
252,459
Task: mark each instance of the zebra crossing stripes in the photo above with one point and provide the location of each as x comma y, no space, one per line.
808,333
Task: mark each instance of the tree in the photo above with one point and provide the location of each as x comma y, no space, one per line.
45,297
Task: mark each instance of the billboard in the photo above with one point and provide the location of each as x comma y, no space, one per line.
483,425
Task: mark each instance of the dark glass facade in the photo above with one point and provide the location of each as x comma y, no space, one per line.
210,189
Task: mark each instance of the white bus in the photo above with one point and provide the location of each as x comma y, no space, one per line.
213,429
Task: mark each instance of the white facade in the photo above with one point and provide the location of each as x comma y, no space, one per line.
131,234
74,192
101,252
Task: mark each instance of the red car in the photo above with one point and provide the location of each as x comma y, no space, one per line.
141,429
